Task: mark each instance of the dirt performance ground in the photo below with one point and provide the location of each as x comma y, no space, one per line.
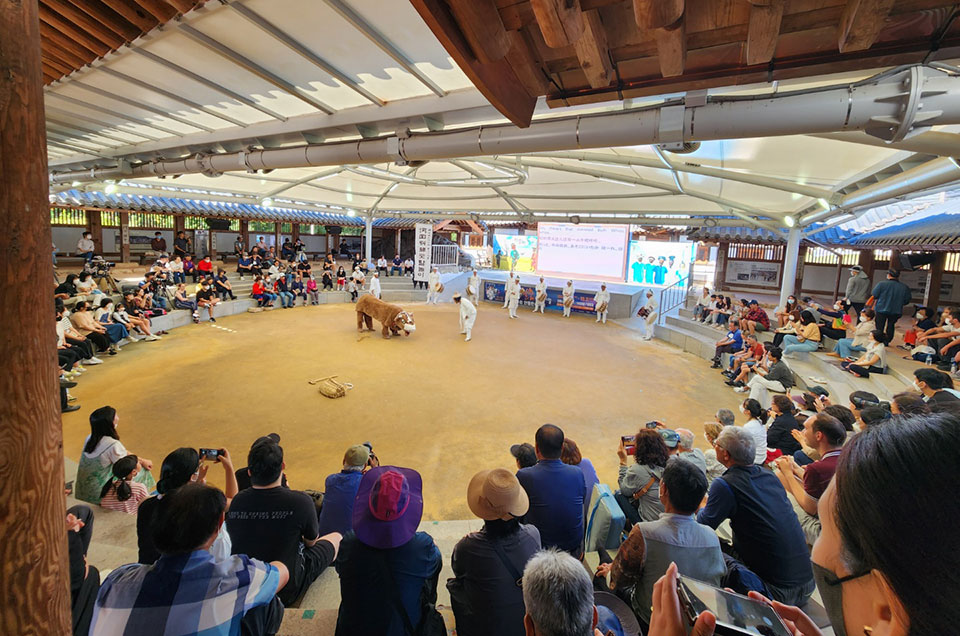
428,401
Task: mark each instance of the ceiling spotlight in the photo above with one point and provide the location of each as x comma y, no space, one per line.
824,204
110,188
789,221
351,213
267,202
75,184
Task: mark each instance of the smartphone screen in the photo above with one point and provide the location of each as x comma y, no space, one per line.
209,453
735,614
628,442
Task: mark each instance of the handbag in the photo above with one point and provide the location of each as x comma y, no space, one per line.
640,493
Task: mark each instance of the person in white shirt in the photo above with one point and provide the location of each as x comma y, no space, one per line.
649,313
567,299
506,290
756,426
468,316
274,272
408,267
85,246
513,298
359,278
473,288
601,300
540,296
703,302
434,286
375,285
382,264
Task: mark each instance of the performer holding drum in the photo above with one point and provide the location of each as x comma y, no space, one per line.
601,299
567,299
540,296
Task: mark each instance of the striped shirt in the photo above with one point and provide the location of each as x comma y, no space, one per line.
138,493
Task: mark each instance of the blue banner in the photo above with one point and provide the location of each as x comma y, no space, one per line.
582,301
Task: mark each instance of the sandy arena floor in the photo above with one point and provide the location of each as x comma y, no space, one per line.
428,401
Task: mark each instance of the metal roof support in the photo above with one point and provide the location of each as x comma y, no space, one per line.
943,144
846,107
519,209
385,45
293,184
142,106
100,122
791,256
128,119
172,96
303,51
251,66
82,130
208,83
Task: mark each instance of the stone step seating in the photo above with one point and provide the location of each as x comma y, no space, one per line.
700,340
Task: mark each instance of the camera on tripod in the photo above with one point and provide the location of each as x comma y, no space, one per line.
99,267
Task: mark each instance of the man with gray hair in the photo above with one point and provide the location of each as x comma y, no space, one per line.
687,452
766,533
726,417
558,596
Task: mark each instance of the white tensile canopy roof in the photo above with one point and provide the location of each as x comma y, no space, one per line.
284,73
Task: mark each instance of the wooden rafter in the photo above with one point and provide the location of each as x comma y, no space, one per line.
70,31
63,48
102,15
655,14
61,67
183,5
764,30
69,12
861,23
561,21
593,52
158,9
672,48
524,61
480,23
134,13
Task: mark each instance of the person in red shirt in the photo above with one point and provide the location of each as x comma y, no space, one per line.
743,361
205,267
756,319
806,484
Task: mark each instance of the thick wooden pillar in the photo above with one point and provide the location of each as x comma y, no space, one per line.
867,262
931,297
95,227
125,237
245,233
894,260
397,242
720,267
179,224
276,238
34,576
295,234
212,244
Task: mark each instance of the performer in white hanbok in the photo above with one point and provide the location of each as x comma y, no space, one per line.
375,285
473,288
511,281
567,299
649,314
540,296
468,315
601,299
513,298
434,286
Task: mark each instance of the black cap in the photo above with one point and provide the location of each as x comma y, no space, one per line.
819,390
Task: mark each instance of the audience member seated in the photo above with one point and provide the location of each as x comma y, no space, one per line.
757,427
702,307
340,490
312,290
243,475
776,377
84,578
68,288
932,384
87,288
188,591
101,449
84,323
273,523
806,337
558,597
909,403
639,484
396,265
846,346
755,318
525,454
207,299
556,492
222,286
118,333
299,290
676,537
745,360
122,493
780,431
572,457
806,484
873,360
487,565
887,588
871,416
181,467
711,431
731,343
262,293
388,571
836,321
767,536
687,452
725,417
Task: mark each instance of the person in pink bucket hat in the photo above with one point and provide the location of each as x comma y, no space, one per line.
388,571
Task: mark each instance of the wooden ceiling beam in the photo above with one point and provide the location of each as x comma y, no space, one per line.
861,23
81,19
480,23
65,49
593,51
82,38
527,65
103,15
133,13
672,48
183,5
498,82
655,14
561,21
57,65
764,30
159,9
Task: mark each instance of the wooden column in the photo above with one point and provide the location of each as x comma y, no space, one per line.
397,242
276,238
212,244
125,237
836,287
34,575
931,297
867,262
295,234
95,227
245,233
894,260
179,224
720,269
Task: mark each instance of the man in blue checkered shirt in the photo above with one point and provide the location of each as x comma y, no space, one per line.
186,592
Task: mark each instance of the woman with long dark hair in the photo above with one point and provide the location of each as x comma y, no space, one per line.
780,435
807,337
639,493
101,450
122,493
873,360
756,425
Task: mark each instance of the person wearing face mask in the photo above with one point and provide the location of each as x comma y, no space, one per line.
891,296
207,298
868,582
807,336
858,288
873,360
835,321
846,346
931,384
757,427
789,309
650,312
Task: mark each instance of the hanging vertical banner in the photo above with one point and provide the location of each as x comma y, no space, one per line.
422,251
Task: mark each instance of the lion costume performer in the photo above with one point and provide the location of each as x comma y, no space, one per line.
393,318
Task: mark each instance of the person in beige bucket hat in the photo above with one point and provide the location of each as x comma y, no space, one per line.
487,565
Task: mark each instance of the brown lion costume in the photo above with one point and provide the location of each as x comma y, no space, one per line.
393,318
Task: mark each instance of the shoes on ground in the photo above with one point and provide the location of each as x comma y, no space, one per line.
70,408
741,389
67,384
93,360
212,319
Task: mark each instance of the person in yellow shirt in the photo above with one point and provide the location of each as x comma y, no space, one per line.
807,337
